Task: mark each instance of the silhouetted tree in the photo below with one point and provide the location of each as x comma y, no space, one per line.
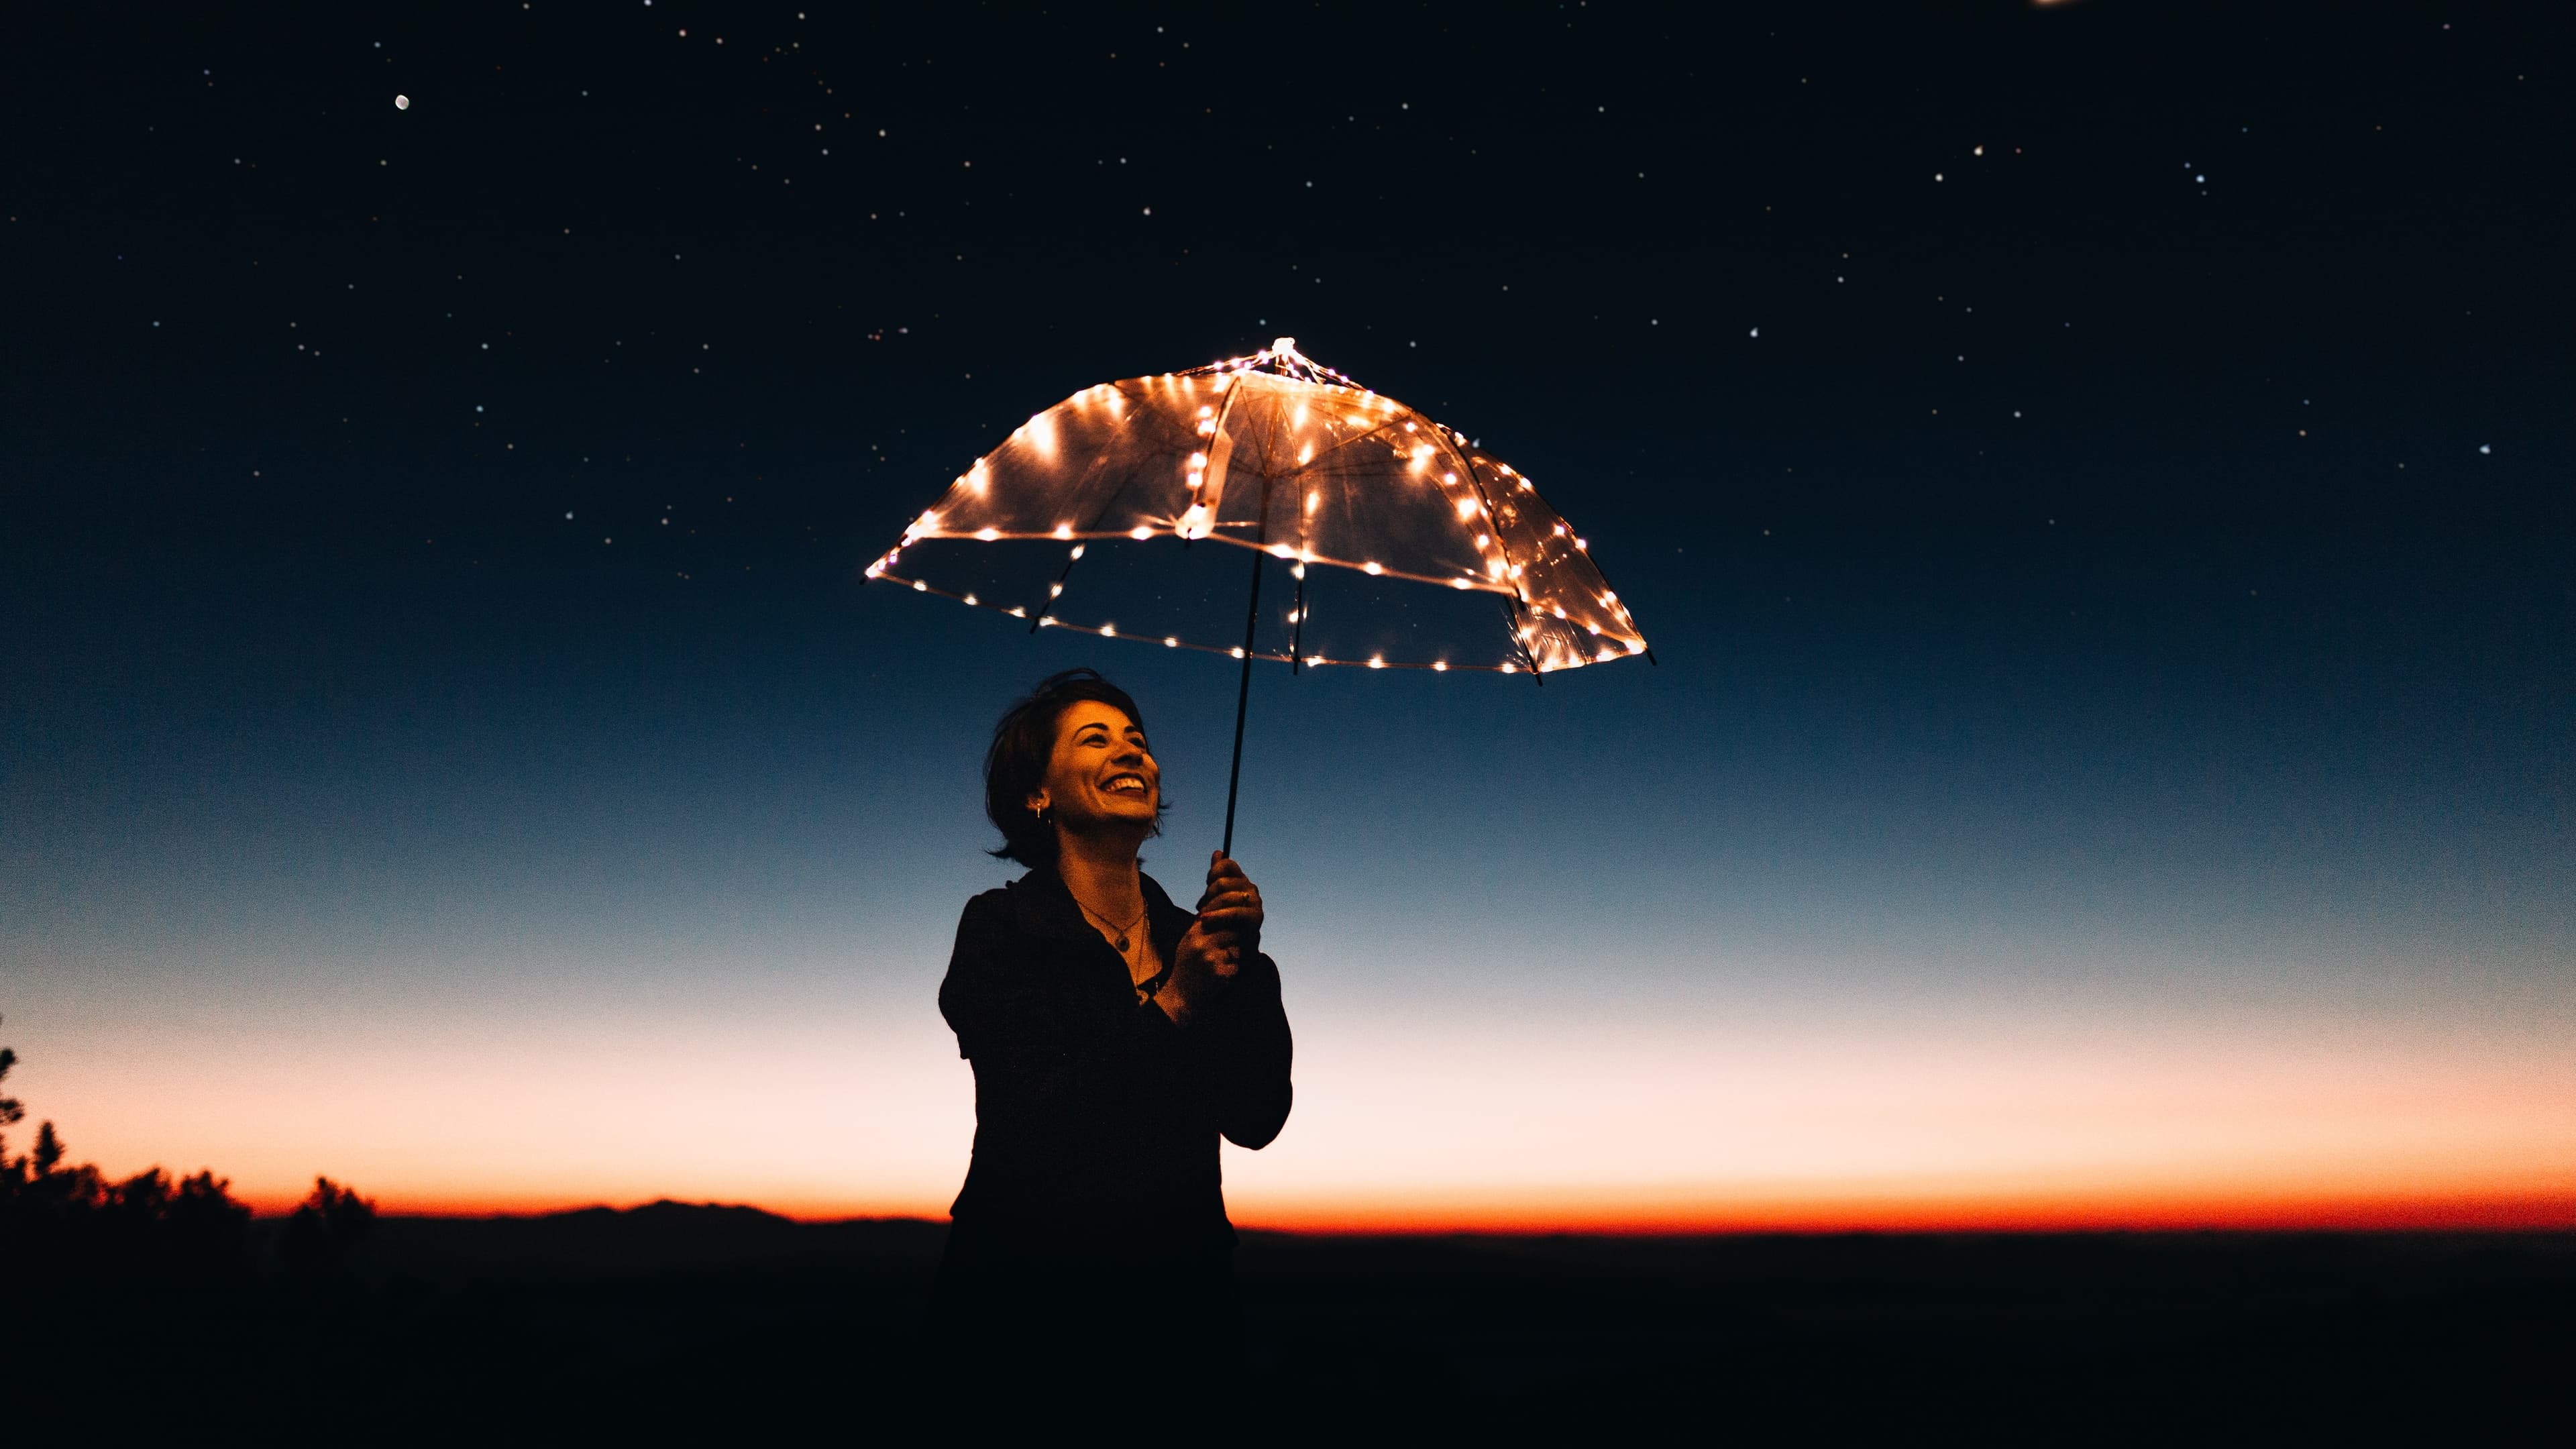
146,1224
12,1112
330,1224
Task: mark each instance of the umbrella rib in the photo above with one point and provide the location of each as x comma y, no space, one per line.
1520,600
1039,615
1301,469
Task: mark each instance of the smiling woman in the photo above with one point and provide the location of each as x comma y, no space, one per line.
1114,1037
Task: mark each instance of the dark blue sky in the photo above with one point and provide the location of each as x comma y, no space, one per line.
2094,477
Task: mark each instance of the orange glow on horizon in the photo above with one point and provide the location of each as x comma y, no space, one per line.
2284,1211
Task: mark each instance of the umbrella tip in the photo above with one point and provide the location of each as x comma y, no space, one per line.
1283,344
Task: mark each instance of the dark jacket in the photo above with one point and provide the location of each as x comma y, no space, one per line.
1096,1117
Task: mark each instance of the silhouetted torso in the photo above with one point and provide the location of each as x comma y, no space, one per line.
1092,1224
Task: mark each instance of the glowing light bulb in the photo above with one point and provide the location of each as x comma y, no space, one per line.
1108,631
1171,643
1065,530
1377,661
1077,551
1016,612
919,587
1462,583
1371,568
1439,666
970,598
1236,651
1140,531
876,570
1297,571
1194,522
1580,543
1508,669
1055,590
988,534
1466,509
1281,550
1636,646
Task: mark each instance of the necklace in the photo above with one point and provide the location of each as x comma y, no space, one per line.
1119,930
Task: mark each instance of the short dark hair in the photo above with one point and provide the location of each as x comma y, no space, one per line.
1023,744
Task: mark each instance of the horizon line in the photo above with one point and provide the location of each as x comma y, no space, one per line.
2497,1212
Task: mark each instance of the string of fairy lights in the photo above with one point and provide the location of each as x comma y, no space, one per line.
1484,494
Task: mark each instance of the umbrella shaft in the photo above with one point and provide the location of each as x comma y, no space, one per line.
1242,699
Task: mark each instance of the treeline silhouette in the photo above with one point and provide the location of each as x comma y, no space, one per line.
64,1219
162,1303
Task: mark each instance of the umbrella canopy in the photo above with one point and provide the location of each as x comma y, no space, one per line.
1276,453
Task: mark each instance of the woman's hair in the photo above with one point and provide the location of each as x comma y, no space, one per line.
1024,743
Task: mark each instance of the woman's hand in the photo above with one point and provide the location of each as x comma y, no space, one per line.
1230,906
1226,934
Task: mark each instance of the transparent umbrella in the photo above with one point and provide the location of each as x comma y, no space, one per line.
1406,546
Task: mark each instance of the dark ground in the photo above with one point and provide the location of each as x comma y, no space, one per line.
685,1320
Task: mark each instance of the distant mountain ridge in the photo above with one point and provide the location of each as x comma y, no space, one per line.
652,1237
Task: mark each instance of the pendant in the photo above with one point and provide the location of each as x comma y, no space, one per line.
1122,945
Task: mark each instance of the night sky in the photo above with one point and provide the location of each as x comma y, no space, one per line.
2095,477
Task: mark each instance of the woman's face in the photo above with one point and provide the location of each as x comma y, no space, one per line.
1101,773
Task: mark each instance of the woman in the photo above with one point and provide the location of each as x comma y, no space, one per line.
1114,1037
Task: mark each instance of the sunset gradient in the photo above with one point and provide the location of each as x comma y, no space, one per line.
1771,1085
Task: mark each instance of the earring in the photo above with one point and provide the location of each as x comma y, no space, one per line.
1041,813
